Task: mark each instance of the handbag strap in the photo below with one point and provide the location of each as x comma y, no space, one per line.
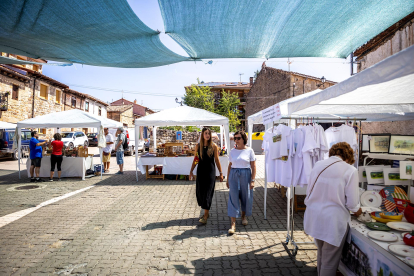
320,175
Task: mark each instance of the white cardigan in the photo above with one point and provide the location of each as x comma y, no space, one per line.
334,195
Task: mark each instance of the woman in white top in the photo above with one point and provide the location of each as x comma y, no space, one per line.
242,173
332,193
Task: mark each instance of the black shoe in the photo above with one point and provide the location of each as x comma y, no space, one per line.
51,179
32,180
59,179
39,180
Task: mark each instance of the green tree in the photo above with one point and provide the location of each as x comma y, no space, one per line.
380,272
199,97
228,108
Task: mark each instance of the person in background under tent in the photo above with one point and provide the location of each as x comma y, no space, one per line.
56,157
35,156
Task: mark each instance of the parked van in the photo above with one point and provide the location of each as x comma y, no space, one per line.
6,143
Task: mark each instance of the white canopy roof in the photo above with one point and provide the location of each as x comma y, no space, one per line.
288,106
68,119
5,125
182,116
383,92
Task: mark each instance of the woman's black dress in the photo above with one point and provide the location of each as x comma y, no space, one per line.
206,179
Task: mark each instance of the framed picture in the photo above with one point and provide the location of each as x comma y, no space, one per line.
365,142
379,143
406,169
375,175
392,177
362,174
402,144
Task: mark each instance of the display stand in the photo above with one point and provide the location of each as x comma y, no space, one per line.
153,176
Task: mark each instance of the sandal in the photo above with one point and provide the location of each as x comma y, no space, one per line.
232,230
203,220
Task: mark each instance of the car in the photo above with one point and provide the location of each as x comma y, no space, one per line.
74,138
93,139
6,143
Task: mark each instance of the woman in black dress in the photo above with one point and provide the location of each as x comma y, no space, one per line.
208,158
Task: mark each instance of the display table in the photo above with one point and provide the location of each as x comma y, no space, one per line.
71,166
362,254
177,165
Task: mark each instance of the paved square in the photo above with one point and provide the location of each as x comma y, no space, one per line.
150,227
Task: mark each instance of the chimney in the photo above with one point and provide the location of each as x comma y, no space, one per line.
251,81
135,101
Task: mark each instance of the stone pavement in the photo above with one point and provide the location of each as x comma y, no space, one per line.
121,227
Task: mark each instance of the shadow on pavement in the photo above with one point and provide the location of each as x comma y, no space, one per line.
251,263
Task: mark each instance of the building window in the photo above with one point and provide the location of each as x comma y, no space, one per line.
15,93
87,106
58,96
73,101
42,131
43,91
99,111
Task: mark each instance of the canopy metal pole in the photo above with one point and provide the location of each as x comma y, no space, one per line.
154,134
19,139
221,136
137,137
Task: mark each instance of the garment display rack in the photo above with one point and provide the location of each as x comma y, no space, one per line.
291,190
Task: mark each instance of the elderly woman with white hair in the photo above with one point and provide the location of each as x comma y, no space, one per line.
119,148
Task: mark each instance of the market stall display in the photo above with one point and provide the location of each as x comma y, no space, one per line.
176,157
69,119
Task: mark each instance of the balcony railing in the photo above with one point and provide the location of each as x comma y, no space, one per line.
4,101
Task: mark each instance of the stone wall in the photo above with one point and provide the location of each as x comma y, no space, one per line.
20,109
127,118
402,39
166,135
273,86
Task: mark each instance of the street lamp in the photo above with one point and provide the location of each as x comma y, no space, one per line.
176,100
323,79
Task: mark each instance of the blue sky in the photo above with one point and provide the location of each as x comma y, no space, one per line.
171,79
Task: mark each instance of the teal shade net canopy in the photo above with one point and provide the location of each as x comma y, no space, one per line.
100,33
278,28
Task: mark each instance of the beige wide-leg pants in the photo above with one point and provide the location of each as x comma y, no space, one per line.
329,256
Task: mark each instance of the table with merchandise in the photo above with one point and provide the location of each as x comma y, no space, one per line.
75,163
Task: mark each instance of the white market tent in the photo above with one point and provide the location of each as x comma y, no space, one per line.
5,125
182,116
66,119
383,92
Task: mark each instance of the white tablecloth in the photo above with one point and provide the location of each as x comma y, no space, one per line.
71,166
177,165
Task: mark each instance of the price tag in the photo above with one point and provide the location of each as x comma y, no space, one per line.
408,236
399,202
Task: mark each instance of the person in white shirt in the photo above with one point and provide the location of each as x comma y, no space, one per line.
107,150
242,173
332,192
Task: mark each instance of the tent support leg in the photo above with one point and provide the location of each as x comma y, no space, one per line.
19,147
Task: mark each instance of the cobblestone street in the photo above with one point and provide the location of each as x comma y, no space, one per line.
150,227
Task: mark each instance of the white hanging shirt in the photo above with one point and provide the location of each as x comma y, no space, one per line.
276,137
309,146
269,163
283,165
298,178
335,194
241,158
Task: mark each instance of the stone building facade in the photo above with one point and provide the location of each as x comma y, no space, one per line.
391,41
123,114
275,85
26,93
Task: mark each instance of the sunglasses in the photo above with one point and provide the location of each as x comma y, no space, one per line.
237,138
